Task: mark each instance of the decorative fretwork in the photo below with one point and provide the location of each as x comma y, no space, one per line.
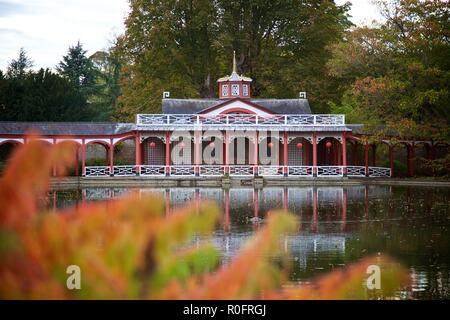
330,171
242,170
97,171
356,171
182,170
146,171
379,172
212,171
240,120
124,171
270,171
300,171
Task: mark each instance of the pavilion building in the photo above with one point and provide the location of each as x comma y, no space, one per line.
242,136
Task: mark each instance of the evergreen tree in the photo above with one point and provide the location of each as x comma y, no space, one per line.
78,69
18,68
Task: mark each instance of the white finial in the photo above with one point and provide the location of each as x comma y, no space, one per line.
234,62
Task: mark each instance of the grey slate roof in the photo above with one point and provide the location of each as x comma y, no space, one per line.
66,128
280,106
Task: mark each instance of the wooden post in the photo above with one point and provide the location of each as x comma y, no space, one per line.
314,154
344,152
227,151
285,153
255,170
137,145
366,157
111,157
167,153
83,157
77,161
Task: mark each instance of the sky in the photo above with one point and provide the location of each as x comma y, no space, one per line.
46,28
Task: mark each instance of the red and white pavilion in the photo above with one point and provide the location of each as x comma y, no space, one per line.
240,132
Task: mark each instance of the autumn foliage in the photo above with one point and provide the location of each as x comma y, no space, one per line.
129,249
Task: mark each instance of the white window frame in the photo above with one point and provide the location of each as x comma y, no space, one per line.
225,90
233,86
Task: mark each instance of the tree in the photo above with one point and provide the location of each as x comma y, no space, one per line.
184,46
397,73
78,69
18,68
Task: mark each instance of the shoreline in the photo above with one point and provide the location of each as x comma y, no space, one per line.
258,182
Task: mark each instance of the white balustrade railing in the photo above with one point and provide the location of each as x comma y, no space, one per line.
241,171
235,171
151,171
185,171
270,171
356,171
97,171
330,171
241,120
124,171
211,171
375,172
300,171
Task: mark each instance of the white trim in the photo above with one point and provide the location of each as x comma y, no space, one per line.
238,104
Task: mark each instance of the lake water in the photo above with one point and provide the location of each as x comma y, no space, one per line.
338,225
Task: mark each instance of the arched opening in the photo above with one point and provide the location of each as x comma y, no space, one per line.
212,150
76,167
125,152
299,152
182,151
6,149
97,154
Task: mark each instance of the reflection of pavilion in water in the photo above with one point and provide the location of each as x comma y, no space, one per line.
256,202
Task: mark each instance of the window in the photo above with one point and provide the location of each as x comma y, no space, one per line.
245,90
225,90
234,89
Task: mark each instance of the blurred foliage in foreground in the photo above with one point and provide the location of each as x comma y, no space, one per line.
127,249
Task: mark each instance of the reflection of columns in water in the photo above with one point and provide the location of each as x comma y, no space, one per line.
54,200
226,220
285,199
83,197
197,201
391,202
366,202
344,209
314,205
167,201
256,203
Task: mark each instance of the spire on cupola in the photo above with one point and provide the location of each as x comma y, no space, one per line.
234,85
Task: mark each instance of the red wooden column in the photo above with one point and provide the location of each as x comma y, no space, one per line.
391,158
410,152
366,157
255,170
285,153
344,152
77,162
227,151
314,154
111,156
137,144
83,157
167,153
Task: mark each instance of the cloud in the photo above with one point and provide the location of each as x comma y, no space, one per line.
8,8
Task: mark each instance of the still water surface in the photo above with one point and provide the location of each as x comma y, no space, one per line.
338,225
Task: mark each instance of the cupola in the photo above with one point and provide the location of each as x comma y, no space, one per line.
234,85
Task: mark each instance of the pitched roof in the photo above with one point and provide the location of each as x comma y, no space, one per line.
280,106
66,128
